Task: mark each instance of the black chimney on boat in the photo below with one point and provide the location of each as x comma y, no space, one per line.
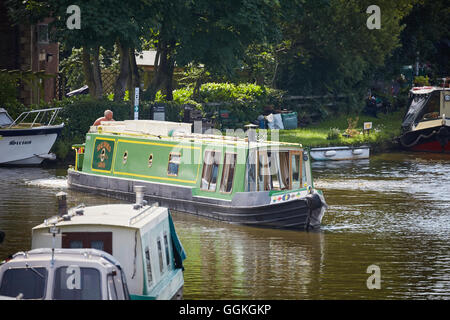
62,203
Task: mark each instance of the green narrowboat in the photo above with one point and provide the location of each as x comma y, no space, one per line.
231,178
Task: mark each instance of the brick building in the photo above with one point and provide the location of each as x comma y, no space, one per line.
27,48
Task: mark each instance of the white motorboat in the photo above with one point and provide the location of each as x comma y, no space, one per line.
340,153
28,143
63,274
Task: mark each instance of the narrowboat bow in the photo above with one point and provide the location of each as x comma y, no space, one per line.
232,179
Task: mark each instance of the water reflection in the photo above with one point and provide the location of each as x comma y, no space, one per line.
248,263
392,210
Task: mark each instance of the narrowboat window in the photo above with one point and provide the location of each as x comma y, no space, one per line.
250,171
75,283
125,157
166,244
264,182
229,166
284,170
210,172
296,171
28,281
273,171
174,164
160,254
303,176
150,160
149,267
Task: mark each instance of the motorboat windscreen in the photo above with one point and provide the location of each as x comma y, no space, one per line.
415,111
5,119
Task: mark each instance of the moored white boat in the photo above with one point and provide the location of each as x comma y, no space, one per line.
141,237
340,153
28,143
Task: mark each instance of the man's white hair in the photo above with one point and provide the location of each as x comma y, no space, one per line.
107,112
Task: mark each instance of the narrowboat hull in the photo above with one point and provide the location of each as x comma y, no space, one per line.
433,139
298,210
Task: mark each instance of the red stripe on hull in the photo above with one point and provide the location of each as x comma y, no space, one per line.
433,146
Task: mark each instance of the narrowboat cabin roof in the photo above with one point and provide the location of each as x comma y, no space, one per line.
119,215
179,132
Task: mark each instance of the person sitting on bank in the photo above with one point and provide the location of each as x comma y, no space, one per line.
108,117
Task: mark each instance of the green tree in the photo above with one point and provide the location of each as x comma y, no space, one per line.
328,49
103,24
425,38
212,33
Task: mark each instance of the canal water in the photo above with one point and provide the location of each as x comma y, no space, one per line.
390,214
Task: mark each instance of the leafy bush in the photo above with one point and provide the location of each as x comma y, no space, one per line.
421,81
78,114
244,101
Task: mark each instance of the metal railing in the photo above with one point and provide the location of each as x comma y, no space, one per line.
39,113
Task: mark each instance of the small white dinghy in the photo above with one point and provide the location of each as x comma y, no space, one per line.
340,153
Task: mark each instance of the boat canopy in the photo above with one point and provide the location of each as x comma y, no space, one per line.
5,119
425,104
415,110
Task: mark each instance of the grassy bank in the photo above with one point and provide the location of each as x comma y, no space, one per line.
384,129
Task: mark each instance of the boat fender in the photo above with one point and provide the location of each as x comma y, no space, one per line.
357,151
330,153
314,201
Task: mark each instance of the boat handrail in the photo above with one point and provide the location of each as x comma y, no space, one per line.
141,215
25,114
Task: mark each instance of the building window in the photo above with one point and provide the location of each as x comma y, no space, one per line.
42,33
229,167
210,172
174,164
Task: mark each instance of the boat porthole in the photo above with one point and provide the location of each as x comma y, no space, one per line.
150,160
125,157
103,155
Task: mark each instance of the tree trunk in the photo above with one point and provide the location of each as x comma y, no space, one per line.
121,82
88,71
97,74
164,68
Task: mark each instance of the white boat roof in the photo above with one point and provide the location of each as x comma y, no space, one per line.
426,90
115,215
